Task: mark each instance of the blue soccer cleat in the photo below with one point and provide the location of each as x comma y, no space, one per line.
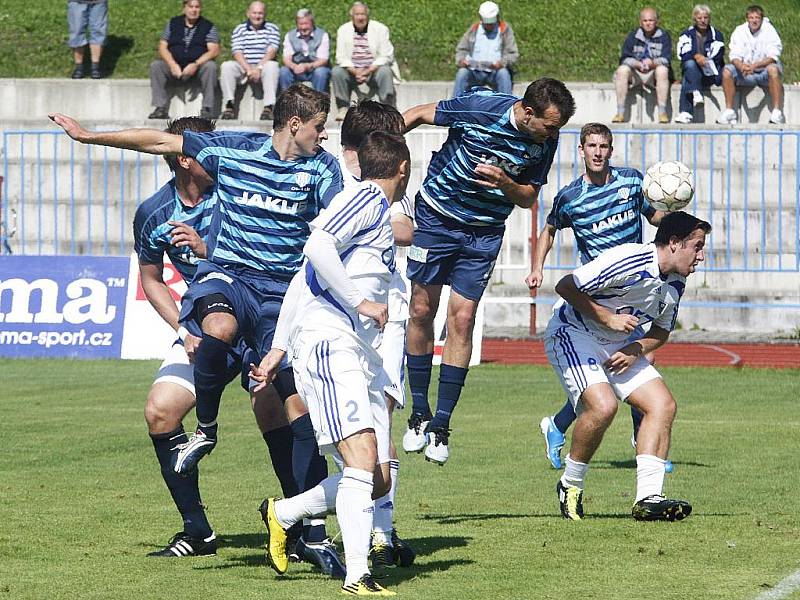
553,440
668,466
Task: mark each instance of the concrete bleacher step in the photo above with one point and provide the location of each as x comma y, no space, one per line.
117,100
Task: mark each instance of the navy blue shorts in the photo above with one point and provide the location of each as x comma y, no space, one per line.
256,299
448,252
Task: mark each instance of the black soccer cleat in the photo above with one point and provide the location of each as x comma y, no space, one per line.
404,554
658,508
182,545
570,499
322,555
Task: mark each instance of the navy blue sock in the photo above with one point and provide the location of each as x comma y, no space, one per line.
185,490
565,417
210,379
279,442
636,417
451,381
309,467
419,380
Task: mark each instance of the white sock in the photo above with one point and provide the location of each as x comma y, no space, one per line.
384,509
319,500
354,508
649,475
574,472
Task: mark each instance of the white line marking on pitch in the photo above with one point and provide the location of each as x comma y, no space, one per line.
735,358
785,587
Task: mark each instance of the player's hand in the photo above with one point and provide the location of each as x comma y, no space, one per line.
534,279
268,369
621,322
491,176
374,310
622,359
185,235
70,126
190,344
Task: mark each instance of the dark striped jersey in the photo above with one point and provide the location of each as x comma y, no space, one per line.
151,228
605,216
482,130
264,203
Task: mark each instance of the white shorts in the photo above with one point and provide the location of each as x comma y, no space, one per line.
342,389
176,368
393,353
577,358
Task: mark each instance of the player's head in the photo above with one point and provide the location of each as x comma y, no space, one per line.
177,127
547,105
596,147
385,155
368,116
303,111
682,238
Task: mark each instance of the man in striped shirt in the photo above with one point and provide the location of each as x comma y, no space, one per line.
254,45
364,55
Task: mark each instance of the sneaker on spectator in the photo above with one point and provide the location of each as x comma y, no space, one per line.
228,114
77,72
266,114
697,98
96,73
727,117
684,117
618,118
159,113
663,118
776,118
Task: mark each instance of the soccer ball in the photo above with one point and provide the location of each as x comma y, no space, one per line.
668,185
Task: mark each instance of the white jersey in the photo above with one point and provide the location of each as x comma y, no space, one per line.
358,218
398,290
625,279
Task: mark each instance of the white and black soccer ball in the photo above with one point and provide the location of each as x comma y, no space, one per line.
668,185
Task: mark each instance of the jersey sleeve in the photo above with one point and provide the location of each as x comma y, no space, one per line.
331,181
147,252
556,217
349,214
480,107
538,173
200,146
667,319
404,207
612,268
645,207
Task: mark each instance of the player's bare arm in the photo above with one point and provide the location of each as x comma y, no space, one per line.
419,115
655,218
185,235
543,245
585,304
402,230
623,358
151,141
265,372
376,311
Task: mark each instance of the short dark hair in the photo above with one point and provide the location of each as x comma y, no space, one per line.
678,225
596,129
368,116
547,91
178,126
754,8
380,155
301,101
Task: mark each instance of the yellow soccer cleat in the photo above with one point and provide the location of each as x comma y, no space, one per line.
366,586
571,500
276,537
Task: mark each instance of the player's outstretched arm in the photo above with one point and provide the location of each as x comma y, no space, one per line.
543,245
419,115
151,141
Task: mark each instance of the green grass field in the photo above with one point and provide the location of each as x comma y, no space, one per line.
573,40
82,501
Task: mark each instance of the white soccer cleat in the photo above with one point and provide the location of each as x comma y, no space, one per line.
437,450
684,118
697,98
727,117
776,117
414,437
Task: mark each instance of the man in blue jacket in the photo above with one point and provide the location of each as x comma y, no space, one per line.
702,52
645,61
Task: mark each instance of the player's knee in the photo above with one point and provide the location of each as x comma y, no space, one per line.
419,312
622,73
161,414
220,325
604,409
773,71
461,323
662,72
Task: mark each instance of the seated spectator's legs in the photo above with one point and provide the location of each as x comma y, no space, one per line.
382,80
343,86
502,81
775,85
207,74
662,88
729,74
159,77
320,77
230,74
463,81
692,77
286,77
269,82
622,81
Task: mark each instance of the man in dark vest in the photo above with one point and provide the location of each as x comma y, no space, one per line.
306,53
187,49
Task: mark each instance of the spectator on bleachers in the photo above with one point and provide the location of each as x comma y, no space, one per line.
306,53
702,52
187,49
364,54
83,16
254,45
486,53
645,61
755,52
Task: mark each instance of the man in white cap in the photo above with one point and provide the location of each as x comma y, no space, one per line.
486,53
